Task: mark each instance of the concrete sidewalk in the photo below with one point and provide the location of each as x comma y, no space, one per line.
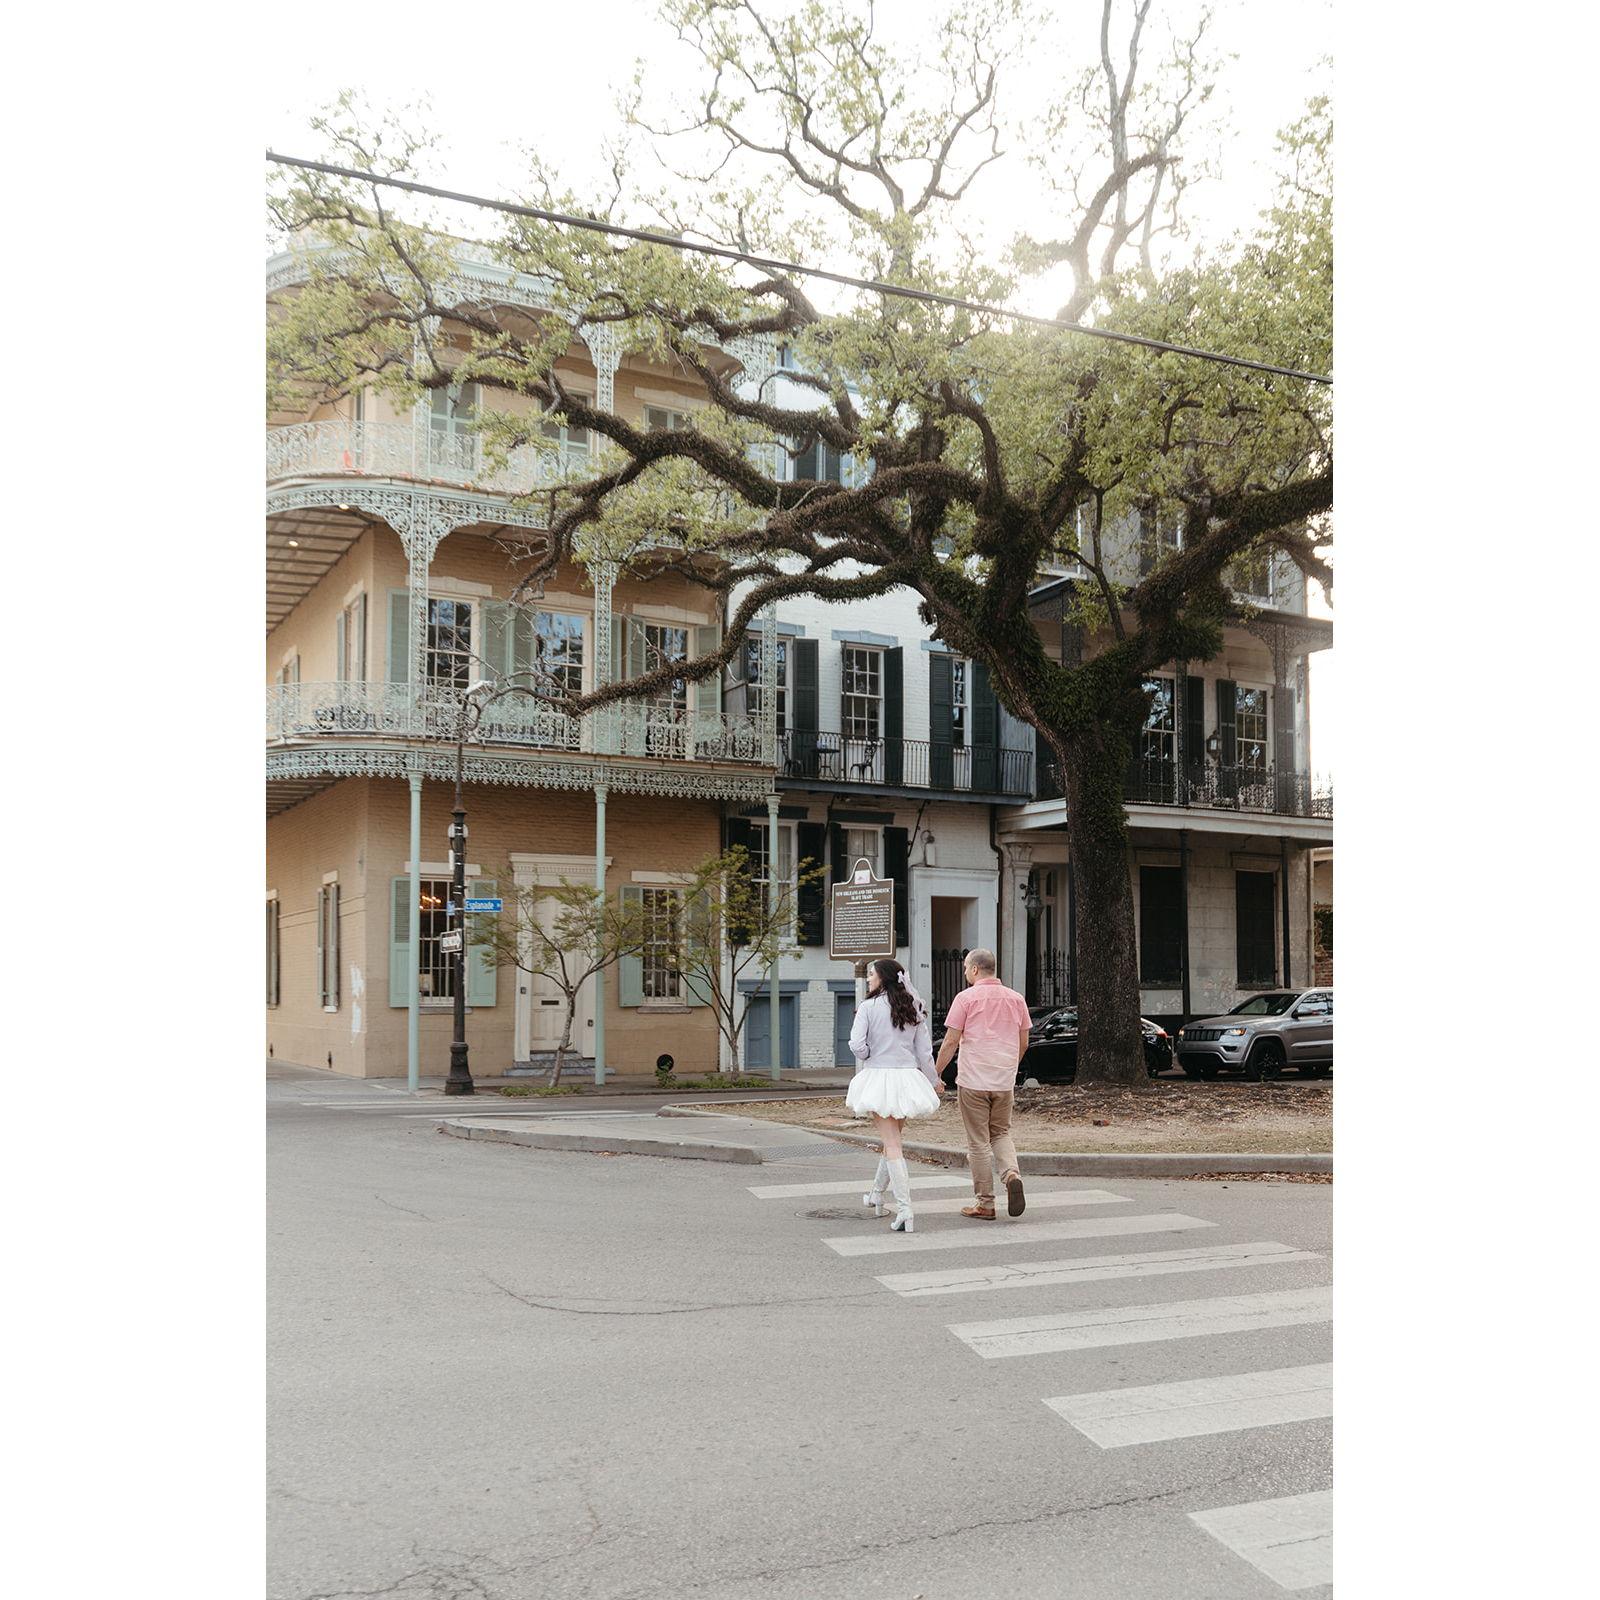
748,1140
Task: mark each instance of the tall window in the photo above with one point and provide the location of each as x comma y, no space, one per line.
353,667
862,709
1251,574
450,643
1158,740
435,968
661,419
273,966
1160,926
569,438
1254,927
662,908
1250,728
289,672
661,645
760,875
558,651
451,411
958,701
821,462
1160,533
328,945
752,678
868,842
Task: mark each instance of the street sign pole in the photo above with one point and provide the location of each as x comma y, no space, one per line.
459,1080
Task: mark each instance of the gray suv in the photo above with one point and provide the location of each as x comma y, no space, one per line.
1262,1036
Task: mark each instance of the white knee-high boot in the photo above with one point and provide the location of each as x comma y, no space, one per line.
873,1198
900,1182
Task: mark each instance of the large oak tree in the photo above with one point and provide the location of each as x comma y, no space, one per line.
1000,452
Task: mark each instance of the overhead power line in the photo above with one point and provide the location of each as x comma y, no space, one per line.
772,264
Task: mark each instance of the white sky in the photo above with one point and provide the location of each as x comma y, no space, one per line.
530,74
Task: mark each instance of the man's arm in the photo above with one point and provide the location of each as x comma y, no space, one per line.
1022,1044
952,1041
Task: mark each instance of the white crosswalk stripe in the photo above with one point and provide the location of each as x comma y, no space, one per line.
1178,1319
1289,1540
803,1191
1089,1269
1153,1412
1049,1199
982,1236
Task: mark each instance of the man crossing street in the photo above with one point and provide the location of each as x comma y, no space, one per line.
989,1024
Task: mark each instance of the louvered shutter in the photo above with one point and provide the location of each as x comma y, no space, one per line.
1194,726
695,990
481,971
812,844
894,715
941,721
803,707
339,648
736,831
399,941
985,730
1227,732
708,691
897,865
630,970
399,635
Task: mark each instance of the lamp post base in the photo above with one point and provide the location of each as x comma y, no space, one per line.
460,1079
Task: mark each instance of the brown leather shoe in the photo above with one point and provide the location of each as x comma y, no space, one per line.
985,1212
1015,1203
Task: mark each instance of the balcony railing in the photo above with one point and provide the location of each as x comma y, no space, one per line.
297,711
1249,786
904,763
336,448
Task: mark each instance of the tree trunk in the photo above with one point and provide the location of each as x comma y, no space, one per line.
566,1042
1110,1043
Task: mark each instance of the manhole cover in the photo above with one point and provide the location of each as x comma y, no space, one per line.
838,1213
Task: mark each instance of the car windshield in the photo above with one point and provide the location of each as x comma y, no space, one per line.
1264,1005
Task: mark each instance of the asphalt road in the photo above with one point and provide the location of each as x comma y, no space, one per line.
502,1373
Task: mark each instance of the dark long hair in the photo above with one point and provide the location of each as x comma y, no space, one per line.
903,1009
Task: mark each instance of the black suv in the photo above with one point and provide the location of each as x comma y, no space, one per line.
1052,1055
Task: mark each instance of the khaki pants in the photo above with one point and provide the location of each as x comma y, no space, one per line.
986,1117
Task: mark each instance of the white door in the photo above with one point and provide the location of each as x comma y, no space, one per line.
541,1006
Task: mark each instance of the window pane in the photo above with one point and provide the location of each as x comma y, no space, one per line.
660,978
435,969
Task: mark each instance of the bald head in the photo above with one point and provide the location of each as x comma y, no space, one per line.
980,964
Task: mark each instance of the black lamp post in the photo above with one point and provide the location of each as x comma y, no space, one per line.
459,1080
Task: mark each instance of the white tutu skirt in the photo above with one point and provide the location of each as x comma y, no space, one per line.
891,1092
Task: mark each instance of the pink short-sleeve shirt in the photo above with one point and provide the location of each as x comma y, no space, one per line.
990,1017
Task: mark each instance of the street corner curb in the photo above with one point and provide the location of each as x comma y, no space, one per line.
1071,1164
551,1139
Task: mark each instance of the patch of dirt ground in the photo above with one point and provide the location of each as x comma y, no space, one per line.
1289,1118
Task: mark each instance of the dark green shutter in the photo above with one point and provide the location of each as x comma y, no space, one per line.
985,731
897,865
811,846
1160,927
361,637
736,831
803,708
272,953
1227,724
1254,927
630,970
338,648
941,721
1194,726
1283,747
481,972
399,941
399,634
894,715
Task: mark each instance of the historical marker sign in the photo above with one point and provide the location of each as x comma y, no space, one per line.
862,925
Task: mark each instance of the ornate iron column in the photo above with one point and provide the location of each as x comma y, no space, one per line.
414,985
600,977
769,754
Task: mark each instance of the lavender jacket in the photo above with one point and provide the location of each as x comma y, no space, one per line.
876,1042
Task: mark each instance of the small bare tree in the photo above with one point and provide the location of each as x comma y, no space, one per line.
728,925
586,934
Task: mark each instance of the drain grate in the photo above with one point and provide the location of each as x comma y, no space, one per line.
841,1214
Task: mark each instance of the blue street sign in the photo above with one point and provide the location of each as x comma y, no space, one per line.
496,904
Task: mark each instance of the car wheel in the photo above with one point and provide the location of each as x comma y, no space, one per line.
1266,1061
1208,1071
